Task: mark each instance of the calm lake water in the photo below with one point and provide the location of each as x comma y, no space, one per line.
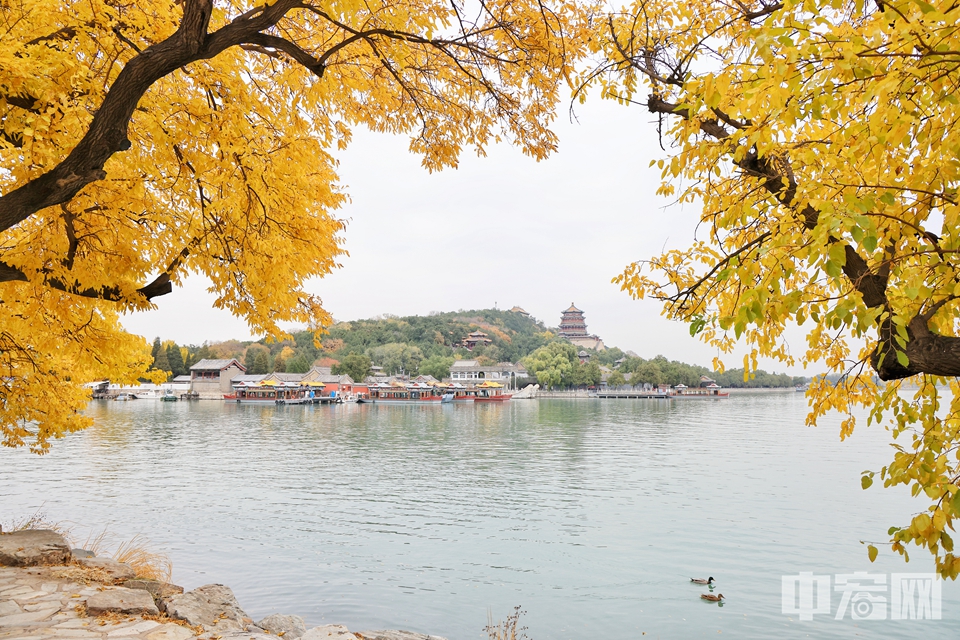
591,514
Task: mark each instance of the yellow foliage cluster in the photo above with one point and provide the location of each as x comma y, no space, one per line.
820,139
142,142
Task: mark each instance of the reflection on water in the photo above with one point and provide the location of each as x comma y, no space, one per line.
591,514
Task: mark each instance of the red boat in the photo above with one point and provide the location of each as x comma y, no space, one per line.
491,392
400,393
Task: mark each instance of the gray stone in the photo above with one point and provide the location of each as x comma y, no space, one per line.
329,632
170,632
117,571
19,619
134,629
212,605
33,547
289,626
156,588
82,553
393,634
9,608
121,600
247,635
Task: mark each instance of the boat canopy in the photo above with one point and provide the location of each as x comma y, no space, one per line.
489,385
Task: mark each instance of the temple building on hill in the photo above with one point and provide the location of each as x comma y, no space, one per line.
474,339
573,327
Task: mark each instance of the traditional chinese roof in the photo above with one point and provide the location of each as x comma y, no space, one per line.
216,365
573,309
459,364
284,377
248,378
335,379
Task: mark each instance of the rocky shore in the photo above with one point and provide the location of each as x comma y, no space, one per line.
48,590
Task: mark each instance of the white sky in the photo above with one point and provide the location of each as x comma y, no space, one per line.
502,230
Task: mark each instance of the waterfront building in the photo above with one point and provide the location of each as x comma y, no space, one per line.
213,378
471,371
573,327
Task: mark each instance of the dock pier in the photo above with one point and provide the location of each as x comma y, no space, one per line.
634,395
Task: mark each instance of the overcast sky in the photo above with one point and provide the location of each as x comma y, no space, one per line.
502,230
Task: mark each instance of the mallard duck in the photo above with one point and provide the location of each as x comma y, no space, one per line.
711,597
702,581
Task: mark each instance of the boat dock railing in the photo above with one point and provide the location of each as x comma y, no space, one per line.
638,395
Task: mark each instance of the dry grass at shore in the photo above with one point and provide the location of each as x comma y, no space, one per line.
135,552
81,574
508,629
38,520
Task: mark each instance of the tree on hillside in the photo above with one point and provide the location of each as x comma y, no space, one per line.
647,373
355,365
280,361
175,358
162,363
250,359
299,363
396,357
616,380
144,141
155,351
261,363
437,366
552,364
820,139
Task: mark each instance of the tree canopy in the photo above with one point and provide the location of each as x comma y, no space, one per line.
820,139
145,141
355,365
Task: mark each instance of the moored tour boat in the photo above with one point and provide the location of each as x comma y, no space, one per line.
710,392
491,392
270,392
399,393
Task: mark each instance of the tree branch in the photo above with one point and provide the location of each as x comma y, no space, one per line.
274,42
926,352
107,133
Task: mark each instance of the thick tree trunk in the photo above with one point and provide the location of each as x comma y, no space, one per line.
927,353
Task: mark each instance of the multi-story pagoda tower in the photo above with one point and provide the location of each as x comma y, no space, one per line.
572,324
573,327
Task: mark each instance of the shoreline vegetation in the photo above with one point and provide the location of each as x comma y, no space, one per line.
51,589
414,345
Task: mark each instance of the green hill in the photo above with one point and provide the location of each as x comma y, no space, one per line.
430,344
